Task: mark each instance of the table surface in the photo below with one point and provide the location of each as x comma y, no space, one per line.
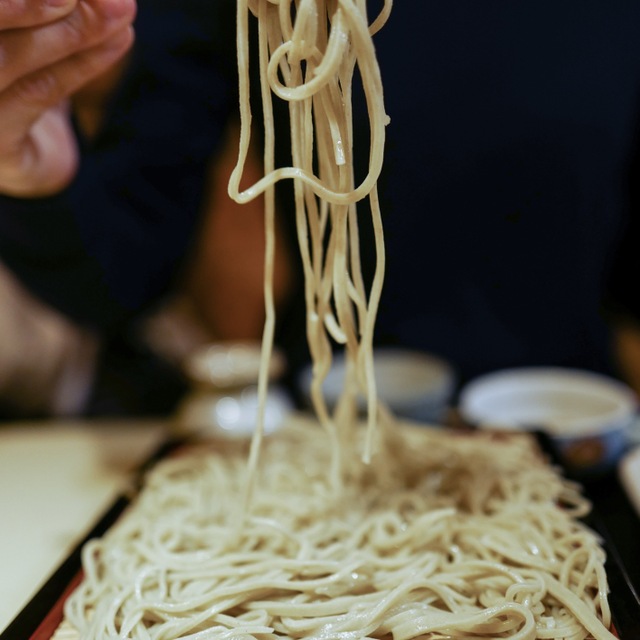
56,479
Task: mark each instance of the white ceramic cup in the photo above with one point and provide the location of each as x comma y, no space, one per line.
224,400
415,385
586,415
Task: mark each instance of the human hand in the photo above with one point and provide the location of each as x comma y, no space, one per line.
48,50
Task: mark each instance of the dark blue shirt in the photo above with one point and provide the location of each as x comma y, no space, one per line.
507,178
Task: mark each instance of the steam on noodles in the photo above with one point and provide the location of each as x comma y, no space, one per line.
440,537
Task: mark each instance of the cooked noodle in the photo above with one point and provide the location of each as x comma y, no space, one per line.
454,537
428,536
310,62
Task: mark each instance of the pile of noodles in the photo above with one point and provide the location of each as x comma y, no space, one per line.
443,537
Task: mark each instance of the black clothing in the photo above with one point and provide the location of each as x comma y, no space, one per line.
505,190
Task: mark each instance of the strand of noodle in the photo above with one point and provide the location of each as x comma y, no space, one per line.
435,621
603,592
343,306
320,349
304,33
372,84
587,574
381,18
242,52
323,77
304,616
369,322
329,102
355,287
344,297
579,608
269,261
334,329
178,627
334,266
571,571
324,73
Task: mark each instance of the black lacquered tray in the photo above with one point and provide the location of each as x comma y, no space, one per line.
616,520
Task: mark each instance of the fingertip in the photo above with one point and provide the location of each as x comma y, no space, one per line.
122,40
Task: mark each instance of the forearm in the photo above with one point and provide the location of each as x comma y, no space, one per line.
47,361
227,275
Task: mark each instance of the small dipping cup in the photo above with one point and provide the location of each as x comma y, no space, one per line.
586,416
415,385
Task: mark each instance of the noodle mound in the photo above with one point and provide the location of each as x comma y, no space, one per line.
451,537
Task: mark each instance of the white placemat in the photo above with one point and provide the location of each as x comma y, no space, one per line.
56,480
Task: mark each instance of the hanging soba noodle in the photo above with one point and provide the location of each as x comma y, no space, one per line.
310,63
435,536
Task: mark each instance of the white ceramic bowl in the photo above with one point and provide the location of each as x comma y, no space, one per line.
222,365
586,415
629,473
233,415
415,385
224,398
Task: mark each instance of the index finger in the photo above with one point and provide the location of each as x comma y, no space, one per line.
16,14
